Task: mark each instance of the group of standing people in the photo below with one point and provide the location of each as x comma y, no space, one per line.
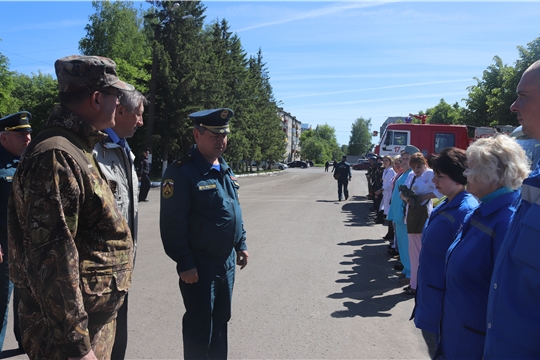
472,261
68,224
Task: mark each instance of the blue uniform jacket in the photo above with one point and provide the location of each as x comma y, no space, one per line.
513,316
200,212
440,231
469,265
8,165
397,206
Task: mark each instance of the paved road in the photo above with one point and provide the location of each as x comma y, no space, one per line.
319,284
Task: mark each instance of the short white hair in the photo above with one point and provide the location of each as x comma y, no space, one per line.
497,159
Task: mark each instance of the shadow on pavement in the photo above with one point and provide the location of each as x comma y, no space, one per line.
368,270
369,276
358,213
10,353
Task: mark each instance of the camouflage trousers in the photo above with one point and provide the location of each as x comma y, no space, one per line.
38,341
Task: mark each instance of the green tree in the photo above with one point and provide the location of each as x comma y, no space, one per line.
116,31
314,148
320,144
489,100
37,94
360,139
8,104
182,68
444,113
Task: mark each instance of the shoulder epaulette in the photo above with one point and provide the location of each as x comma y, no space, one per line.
182,161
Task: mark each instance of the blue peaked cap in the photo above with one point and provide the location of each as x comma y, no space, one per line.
215,120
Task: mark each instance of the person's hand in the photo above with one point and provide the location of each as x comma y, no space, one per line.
350,178
89,356
190,276
242,258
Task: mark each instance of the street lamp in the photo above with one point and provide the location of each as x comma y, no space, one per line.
153,76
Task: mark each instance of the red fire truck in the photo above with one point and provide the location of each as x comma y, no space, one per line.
429,138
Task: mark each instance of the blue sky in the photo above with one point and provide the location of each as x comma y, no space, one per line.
329,62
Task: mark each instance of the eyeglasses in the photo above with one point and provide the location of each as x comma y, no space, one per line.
118,94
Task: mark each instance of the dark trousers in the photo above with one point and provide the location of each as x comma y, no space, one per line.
121,337
208,308
6,288
343,187
145,187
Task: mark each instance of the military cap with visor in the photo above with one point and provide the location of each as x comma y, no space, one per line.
411,149
78,73
19,122
214,120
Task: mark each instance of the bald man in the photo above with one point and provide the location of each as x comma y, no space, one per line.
513,317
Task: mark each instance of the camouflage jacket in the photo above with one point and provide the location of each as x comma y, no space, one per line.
69,246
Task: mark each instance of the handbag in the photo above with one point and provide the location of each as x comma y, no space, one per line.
337,175
416,219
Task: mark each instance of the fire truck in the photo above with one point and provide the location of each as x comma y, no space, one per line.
429,138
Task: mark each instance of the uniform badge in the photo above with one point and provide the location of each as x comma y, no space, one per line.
167,188
224,114
207,187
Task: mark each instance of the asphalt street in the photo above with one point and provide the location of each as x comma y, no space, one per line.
319,283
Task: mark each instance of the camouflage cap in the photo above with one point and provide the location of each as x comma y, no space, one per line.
78,73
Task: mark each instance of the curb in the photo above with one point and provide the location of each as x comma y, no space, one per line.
273,173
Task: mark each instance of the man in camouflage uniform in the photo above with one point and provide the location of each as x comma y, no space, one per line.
70,249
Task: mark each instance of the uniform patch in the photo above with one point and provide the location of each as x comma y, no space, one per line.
233,178
207,187
167,188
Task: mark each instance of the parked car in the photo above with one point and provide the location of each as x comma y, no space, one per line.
276,165
361,164
298,163
310,163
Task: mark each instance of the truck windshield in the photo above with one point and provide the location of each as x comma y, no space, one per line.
443,141
396,138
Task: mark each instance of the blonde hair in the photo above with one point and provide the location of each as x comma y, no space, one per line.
497,159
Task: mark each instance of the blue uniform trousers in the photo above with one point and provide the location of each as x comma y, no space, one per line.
6,288
208,307
403,246
343,188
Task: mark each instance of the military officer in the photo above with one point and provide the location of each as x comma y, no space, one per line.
203,232
15,132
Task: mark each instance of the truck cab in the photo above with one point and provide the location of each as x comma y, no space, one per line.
429,138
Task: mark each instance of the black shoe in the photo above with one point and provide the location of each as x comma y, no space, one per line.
145,200
393,252
346,197
398,267
386,237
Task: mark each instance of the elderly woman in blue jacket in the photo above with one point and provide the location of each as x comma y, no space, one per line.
496,169
439,232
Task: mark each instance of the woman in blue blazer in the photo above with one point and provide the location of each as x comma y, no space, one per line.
496,169
439,232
